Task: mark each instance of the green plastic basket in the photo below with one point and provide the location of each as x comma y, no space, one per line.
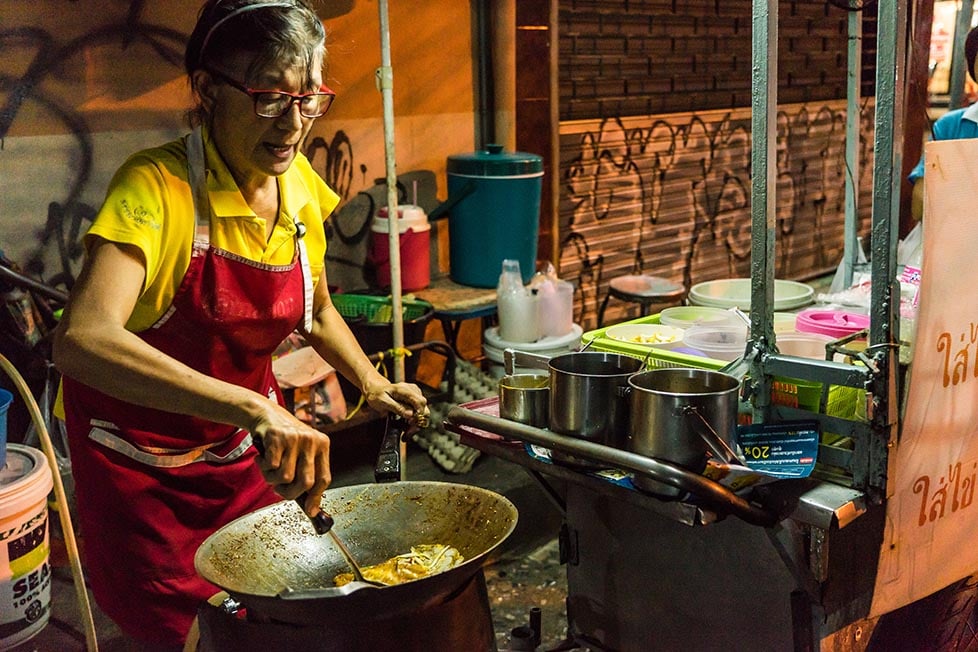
379,309
657,358
791,392
370,319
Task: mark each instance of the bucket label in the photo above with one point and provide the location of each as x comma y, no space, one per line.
25,583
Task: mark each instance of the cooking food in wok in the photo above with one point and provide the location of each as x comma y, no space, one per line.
422,561
273,561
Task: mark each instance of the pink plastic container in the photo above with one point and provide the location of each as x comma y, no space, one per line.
835,323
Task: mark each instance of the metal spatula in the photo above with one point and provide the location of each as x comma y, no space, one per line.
357,572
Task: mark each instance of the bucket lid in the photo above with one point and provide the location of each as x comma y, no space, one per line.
493,162
408,218
26,468
836,323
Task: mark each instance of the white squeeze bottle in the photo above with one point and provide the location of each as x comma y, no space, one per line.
517,306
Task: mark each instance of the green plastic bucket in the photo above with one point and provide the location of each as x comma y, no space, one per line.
495,214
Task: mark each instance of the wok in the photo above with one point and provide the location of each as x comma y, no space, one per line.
275,565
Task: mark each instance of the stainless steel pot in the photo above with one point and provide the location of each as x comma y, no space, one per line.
682,416
525,398
588,395
274,563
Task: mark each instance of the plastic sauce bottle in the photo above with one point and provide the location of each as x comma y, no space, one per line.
517,306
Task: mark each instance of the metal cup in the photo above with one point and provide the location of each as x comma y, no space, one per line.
525,398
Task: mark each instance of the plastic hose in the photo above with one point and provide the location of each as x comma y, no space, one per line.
81,592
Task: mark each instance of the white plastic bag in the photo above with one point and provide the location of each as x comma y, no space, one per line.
910,250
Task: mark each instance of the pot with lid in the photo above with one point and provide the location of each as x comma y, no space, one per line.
494,205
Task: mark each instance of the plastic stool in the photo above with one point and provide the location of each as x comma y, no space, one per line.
644,290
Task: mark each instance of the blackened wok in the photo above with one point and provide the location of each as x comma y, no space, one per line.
275,565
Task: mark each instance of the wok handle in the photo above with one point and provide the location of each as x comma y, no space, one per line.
321,522
388,467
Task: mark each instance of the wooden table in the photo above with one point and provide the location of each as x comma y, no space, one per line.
455,303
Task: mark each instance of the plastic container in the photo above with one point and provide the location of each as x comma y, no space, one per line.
651,335
6,398
517,306
736,292
686,316
25,575
784,322
556,309
495,213
414,243
494,347
718,342
803,345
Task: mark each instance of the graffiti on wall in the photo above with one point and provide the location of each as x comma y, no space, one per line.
669,196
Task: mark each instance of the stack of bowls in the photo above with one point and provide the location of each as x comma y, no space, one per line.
736,292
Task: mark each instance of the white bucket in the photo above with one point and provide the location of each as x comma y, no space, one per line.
25,575
494,348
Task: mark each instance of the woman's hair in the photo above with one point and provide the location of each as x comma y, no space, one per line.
971,51
270,31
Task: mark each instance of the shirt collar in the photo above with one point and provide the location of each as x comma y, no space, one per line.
226,199
971,113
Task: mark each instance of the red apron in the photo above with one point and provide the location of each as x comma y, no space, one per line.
152,485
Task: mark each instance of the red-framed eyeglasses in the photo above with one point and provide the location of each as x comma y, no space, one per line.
275,104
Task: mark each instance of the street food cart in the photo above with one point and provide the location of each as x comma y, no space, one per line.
797,564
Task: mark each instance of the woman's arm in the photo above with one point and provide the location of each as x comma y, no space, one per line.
335,342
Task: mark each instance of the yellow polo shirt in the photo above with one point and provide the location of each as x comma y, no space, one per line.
149,205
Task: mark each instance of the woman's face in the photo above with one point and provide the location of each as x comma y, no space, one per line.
256,148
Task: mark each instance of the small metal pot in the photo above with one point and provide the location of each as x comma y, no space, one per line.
525,398
682,416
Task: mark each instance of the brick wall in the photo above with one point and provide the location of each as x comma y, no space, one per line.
655,141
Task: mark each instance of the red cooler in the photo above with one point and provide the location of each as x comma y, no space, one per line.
415,232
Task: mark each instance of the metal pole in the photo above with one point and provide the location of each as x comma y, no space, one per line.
764,106
850,256
385,82
870,466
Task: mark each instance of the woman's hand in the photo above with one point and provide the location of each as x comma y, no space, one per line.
296,456
402,399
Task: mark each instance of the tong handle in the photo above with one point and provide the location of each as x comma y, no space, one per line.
321,522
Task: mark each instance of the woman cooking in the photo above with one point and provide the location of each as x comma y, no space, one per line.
206,254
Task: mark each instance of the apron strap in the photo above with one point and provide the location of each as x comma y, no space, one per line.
197,173
169,458
300,232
